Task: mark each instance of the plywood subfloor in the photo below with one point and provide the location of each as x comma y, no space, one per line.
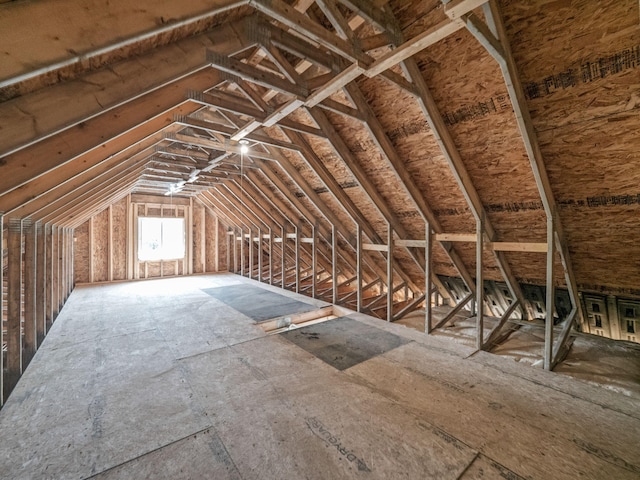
158,379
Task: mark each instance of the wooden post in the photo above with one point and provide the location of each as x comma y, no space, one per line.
30,272
234,242
216,258
69,261
14,293
60,276
63,266
228,252
334,263
251,247
49,276
259,255
479,283
54,273
1,309
550,297
135,222
130,239
189,228
41,298
428,271
389,273
242,252
358,268
283,262
314,259
110,245
91,276
298,258
203,240
270,256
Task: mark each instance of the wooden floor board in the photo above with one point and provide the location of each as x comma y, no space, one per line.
158,379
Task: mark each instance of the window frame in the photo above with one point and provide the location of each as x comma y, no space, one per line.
142,251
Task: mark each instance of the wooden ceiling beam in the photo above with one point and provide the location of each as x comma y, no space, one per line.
247,190
333,14
296,205
215,198
285,66
98,182
371,192
394,161
84,208
452,155
246,204
91,206
369,11
228,64
240,106
229,148
106,134
252,206
329,182
75,173
217,212
286,15
44,190
536,159
229,131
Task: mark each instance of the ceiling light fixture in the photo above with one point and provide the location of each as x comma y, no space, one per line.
244,146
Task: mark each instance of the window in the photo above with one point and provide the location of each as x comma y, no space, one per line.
598,321
595,308
631,326
630,312
160,238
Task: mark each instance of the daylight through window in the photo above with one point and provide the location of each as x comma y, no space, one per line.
160,238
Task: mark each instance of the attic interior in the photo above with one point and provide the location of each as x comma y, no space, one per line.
416,161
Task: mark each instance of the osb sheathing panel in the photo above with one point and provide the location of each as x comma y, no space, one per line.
407,128
331,161
119,213
153,269
100,250
210,241
469,90
197,237
370,160
222,246
581,80
81,254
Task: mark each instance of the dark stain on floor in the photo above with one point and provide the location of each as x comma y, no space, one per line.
344,342
257,303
